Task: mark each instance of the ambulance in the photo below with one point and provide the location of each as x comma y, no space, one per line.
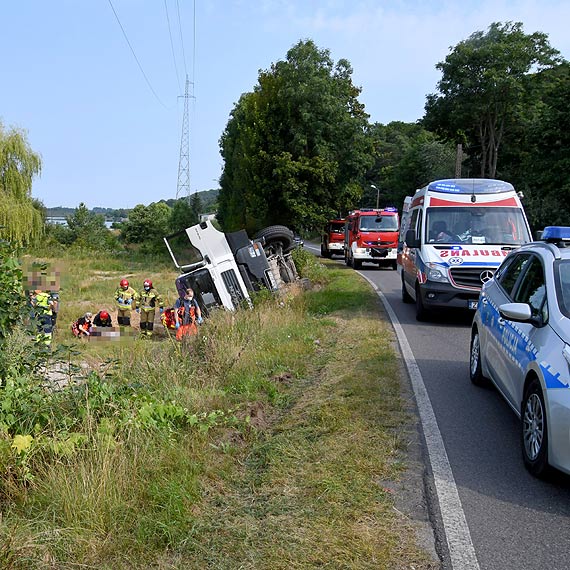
371,236
459,232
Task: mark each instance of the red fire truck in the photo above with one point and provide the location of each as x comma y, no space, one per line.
371,236
332,239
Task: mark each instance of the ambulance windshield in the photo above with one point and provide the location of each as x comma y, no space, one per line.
476,225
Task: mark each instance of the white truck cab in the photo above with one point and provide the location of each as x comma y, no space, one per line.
459,232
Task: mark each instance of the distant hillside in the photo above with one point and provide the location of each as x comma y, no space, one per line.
209,200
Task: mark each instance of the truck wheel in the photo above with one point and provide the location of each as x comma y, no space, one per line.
356,263
277,238
394,265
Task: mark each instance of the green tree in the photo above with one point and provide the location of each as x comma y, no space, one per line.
87,230
483,88
20,219
196,206
406,157
147,225
295,149
181,215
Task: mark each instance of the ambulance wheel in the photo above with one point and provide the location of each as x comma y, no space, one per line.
421,312
475,371
278,239
534,430
406,297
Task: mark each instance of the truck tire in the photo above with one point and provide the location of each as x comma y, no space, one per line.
277,237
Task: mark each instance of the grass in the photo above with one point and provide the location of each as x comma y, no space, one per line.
271,441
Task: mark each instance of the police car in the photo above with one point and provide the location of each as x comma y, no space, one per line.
520,340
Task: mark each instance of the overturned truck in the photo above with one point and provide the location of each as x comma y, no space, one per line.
224,268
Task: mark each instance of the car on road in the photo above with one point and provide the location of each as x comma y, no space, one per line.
520,341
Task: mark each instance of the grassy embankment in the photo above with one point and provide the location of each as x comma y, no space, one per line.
269,441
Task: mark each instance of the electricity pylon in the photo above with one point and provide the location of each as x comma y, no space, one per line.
183,186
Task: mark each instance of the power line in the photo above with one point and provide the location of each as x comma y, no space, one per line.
181,37
135,56
172,46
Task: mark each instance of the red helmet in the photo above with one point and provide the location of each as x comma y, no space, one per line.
147,282
104,315
124,283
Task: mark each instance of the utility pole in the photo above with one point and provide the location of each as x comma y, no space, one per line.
183,186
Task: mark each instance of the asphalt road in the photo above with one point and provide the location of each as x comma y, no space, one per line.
515,521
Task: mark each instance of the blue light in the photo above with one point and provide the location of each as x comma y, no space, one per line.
556,233
390,209
456,247
470,186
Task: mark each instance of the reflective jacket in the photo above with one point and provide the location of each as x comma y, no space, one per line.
125,298
148,300
42,303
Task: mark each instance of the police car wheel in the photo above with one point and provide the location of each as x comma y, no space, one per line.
534,430
475,372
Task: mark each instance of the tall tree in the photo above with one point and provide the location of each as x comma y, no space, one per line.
483,88
295,149
20,218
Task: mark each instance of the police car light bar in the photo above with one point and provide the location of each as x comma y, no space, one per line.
553,234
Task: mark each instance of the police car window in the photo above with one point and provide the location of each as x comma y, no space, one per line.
509,275
531,288
562,275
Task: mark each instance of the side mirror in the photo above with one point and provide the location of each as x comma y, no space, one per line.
519,313
411,239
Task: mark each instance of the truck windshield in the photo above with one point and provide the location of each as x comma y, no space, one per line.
378,224
476,225
336,228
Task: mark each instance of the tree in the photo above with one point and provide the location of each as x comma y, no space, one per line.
295,149
483,88
196,206
181,215
147,225
20,219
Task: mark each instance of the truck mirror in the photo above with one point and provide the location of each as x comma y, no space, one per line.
411,239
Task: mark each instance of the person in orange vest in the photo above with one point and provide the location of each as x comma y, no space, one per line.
187,313
82,326
125,296
147,300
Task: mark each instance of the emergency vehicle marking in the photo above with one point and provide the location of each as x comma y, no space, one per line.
474,252
441,202
519,349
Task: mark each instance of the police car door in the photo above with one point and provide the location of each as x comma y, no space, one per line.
498,336
530,337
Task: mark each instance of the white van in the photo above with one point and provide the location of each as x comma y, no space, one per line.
460,230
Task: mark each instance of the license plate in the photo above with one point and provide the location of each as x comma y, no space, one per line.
473,305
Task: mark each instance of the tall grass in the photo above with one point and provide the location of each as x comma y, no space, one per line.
263,442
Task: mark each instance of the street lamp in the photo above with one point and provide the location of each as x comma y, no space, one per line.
377,195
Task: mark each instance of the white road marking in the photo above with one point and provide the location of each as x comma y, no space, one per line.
461,549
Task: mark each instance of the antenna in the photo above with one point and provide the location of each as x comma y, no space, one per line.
183,186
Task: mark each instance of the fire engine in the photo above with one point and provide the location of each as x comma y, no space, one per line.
371,236
332,239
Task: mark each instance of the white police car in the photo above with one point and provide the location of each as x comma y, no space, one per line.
520,340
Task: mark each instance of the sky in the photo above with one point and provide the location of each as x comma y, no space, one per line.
97,84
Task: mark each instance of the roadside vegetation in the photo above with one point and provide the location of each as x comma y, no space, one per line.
261,443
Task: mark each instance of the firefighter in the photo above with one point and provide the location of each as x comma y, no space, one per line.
187,313
42,310
102,319
147,300
125,296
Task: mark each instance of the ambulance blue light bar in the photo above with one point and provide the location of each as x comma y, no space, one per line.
390,209
556,233
470,186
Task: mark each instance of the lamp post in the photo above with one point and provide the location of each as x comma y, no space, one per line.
377,196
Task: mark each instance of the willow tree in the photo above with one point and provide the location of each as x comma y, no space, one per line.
20,219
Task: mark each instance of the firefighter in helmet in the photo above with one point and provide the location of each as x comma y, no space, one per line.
102,319
147,301
125,296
